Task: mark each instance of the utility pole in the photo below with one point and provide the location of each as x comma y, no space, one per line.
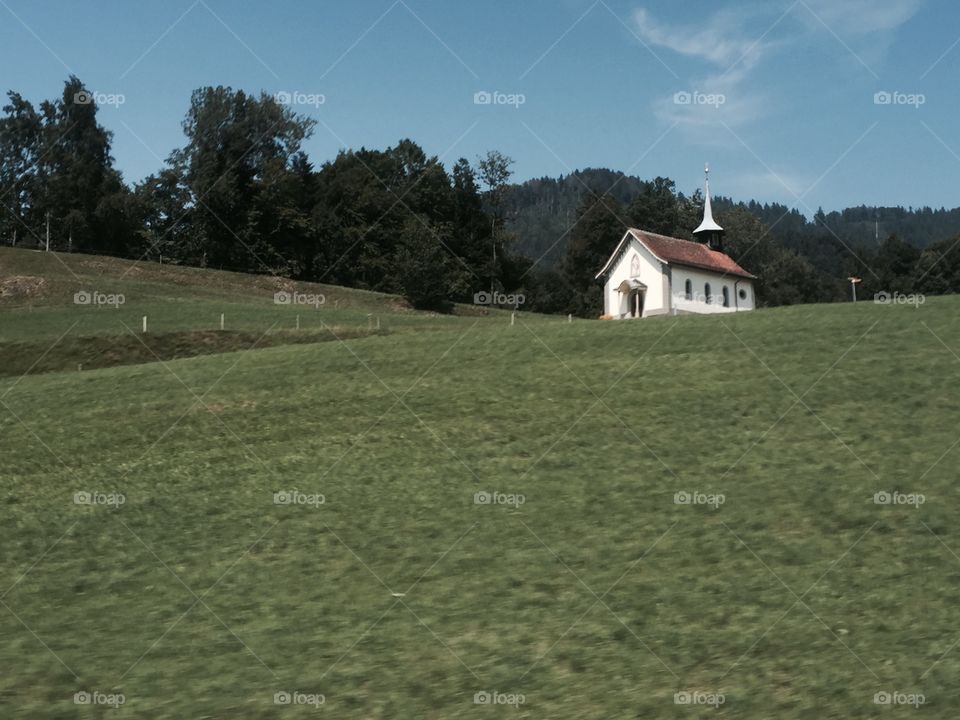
47,249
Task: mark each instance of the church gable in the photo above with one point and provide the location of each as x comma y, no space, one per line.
629,257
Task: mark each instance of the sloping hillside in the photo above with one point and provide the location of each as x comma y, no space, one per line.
586,520
98,303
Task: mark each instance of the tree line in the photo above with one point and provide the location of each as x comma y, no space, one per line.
241,194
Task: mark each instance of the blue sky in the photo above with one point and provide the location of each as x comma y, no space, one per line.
779,96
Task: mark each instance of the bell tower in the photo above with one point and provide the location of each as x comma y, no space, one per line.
709,232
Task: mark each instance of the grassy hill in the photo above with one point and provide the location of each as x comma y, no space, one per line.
389,587
183,306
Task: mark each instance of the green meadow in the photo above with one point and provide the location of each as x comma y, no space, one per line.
392,514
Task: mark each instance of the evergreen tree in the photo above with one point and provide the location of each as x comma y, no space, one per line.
594,236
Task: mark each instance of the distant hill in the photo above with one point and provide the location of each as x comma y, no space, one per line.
541,211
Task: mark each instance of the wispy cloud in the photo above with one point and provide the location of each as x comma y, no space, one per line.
719,41
733,42
722,42
861,17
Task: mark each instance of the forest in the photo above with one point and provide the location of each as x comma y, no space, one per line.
241,194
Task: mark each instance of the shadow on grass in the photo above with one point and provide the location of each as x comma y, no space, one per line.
101,351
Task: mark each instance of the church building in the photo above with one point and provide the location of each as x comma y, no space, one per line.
650,274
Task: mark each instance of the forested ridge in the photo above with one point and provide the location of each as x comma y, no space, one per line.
241,194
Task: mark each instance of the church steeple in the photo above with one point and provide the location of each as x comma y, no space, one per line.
709,232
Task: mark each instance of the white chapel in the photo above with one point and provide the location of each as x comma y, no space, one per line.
650,274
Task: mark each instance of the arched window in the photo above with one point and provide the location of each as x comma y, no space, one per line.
688,290
726,296
706,292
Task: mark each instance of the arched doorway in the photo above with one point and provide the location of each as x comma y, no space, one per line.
632,296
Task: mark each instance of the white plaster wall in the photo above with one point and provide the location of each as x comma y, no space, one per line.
651,275
717,281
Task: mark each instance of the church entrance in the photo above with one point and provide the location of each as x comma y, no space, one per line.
632,294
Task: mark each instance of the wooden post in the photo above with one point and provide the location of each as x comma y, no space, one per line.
569,317
144,323
513,317
298,322
221,321
48,232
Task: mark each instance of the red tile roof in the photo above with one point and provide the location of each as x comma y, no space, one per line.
691,254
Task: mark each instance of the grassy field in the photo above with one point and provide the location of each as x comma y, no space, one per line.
304,517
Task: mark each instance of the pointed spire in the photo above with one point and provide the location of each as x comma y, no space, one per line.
709,225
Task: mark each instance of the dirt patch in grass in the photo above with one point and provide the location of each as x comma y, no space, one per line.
19,287
100,351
